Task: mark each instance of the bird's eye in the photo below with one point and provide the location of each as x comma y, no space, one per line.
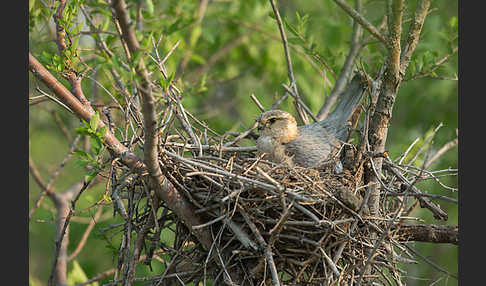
272,120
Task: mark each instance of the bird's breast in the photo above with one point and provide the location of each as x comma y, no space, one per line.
265,144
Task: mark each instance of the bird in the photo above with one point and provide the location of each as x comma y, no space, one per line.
312,145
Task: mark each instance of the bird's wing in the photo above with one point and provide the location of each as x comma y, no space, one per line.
313,146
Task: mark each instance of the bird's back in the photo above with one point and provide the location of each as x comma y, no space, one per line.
313,146
317,141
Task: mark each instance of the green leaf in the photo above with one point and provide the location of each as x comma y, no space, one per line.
83,154
83,131
33,281
291,28
94,120
296,41
301,23
272,15
198,59
77,275
135,58
195,34
107,198
102,132
165,83
86,124
84,159
110,39
173,27
150,7
412,68
119,134
31,4
96,144
91,175
81,163
453,22
147,41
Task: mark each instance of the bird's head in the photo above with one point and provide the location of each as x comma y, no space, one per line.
279,125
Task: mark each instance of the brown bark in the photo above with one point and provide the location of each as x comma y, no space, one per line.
429,233
395,68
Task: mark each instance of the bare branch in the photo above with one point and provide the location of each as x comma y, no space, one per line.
148,101
258,104
362,20
341,81
300,102
164,189
295,48
449,145
98,40
86,234
64,213
81,111
293,84
430,262
47,188
414,34
38,179
124,20
429,233
284,42
60,33
395,16
424,202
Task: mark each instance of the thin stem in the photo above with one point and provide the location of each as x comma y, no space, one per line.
362,20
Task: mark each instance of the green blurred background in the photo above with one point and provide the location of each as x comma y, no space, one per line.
234,51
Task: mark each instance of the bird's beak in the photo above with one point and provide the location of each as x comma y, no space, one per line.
260,127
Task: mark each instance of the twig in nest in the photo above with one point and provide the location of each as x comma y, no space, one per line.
266,247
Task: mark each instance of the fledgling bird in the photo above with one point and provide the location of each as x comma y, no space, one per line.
309,145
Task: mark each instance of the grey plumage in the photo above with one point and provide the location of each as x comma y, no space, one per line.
313,144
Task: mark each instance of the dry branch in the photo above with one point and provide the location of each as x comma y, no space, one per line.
362,20
414,34
429,233
346,70
293,84
424,202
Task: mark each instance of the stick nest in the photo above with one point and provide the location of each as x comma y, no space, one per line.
307,226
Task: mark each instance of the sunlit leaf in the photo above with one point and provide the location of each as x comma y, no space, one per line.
94,120
95,144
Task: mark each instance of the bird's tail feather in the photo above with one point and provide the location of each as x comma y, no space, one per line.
349,101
